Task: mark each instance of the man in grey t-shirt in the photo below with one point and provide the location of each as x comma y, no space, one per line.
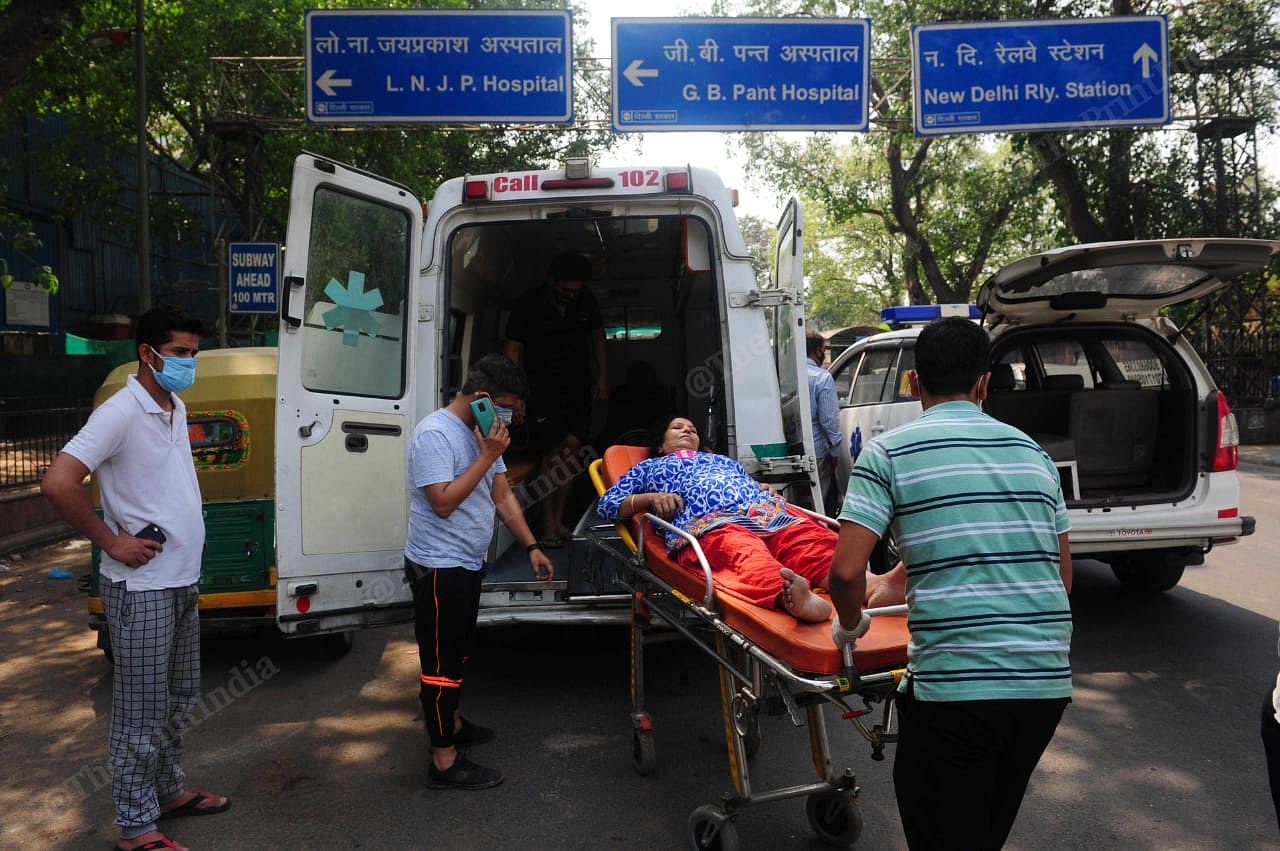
458,481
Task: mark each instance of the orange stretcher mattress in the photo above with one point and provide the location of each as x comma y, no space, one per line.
806,647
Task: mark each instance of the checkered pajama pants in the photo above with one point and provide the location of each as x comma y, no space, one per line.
155,638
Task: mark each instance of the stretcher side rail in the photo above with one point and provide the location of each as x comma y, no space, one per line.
833,689
748,671
709,609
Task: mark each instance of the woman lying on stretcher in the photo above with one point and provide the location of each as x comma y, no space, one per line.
758,547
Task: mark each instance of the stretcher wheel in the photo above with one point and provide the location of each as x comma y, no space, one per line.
711,829
835,817
644,753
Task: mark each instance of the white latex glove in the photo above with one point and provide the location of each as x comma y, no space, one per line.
842,636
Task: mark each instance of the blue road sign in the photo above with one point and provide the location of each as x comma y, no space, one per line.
740,73
254,272
1000,76
426,66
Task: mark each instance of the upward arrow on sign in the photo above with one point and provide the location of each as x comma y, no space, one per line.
1146,56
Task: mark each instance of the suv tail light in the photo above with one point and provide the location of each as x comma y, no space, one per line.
1226,454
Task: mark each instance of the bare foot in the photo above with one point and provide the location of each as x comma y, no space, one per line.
889,589
152,836
800,601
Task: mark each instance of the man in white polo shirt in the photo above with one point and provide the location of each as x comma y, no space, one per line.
151,535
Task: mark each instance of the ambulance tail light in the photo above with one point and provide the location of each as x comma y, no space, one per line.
1226,454
475,190
678,182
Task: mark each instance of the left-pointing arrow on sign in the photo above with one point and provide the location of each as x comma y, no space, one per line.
635,73
327,82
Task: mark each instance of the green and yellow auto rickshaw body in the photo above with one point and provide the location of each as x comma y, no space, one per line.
231,424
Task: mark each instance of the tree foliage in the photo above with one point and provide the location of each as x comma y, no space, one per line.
952,209
760,237
237,123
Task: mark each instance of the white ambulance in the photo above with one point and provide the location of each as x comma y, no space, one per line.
383,312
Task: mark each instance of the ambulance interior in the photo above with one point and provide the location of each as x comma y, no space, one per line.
656,288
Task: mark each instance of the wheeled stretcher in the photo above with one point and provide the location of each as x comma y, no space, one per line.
767,660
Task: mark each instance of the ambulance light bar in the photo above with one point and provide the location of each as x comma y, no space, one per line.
918,314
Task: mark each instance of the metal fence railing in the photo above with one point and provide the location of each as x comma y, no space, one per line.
31,433
1245,364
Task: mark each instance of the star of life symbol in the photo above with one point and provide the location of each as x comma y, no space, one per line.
354,311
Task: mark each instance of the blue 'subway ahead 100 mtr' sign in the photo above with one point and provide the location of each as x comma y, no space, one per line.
1000,76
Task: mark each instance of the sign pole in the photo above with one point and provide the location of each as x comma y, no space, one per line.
224,284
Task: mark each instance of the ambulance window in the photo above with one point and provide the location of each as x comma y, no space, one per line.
1137,361
631,323
869,385
843,377
357,276
1065,357
906,363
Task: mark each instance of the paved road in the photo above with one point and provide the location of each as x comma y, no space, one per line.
1159,750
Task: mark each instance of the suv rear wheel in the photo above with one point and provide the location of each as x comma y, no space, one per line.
1149,573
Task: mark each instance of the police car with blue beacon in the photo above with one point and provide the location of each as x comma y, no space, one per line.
1083,361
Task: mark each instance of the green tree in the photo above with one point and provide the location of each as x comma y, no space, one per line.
760,238
959,206
841,293
240,127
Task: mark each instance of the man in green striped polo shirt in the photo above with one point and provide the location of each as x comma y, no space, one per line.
977,510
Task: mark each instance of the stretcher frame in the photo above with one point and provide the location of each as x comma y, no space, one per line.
747,673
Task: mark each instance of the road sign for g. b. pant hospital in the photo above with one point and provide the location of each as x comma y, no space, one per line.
1006,76
741,73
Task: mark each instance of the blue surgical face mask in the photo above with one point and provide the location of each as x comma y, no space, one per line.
176,374
504,414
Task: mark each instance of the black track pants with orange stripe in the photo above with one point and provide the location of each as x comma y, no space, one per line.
446,601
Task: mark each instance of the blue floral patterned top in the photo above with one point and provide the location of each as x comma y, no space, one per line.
716,491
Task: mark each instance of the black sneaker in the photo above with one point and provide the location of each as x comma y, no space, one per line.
471,734
463,774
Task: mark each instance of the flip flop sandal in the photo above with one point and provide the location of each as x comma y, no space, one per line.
153,845
193,808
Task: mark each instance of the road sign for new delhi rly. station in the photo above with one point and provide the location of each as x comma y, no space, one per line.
1002,76
429,66
740,74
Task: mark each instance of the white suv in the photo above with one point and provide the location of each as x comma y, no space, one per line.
1083,362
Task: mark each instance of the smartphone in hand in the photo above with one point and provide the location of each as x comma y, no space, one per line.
482,408
151,532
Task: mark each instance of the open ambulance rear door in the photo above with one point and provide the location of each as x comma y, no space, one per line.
349,337
783,302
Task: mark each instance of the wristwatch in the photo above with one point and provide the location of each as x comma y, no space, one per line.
534,546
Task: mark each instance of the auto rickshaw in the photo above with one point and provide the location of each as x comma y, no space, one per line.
231,425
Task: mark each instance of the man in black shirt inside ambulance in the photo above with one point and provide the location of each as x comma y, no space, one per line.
554,332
